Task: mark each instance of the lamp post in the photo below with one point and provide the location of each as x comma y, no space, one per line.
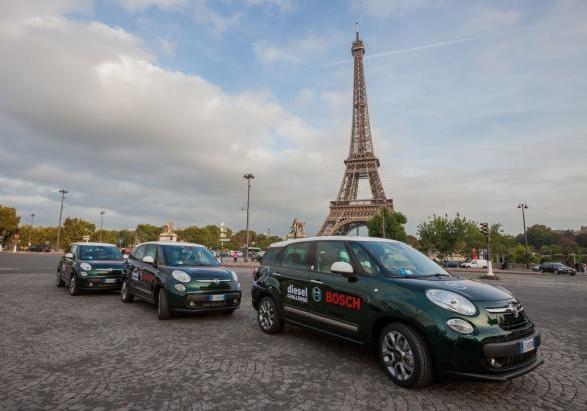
524,206
63,191
101,223
31,228
248,177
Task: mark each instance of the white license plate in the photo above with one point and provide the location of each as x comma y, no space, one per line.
110,280
216,297
527,345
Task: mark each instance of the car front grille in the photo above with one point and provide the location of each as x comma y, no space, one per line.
510,317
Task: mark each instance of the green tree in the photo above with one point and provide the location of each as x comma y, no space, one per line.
8,223
74,229
147,232
394,225
539,235
444,235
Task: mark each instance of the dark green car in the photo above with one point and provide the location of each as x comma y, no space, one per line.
90,267
423,321
179,278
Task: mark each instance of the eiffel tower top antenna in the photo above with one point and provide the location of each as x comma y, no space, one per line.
357,30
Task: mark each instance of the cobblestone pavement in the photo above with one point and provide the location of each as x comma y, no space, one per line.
93,352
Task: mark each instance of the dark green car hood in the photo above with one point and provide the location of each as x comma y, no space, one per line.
204,273
473,290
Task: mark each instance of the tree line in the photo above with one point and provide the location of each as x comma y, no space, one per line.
438,235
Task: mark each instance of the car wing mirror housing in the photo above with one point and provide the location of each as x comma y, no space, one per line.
69,256
148,259
343,268
125,256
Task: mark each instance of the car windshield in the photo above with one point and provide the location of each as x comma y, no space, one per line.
401,260
176,255
99,252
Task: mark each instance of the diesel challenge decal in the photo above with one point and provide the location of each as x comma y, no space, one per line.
297,294
348,301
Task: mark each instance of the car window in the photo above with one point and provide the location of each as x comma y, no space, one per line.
151,251
180,255
366,262
99,252
328,253
74,250
139,252
270,256
296,256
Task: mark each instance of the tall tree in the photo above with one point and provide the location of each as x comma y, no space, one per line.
147,232
74,229
8,223
394,225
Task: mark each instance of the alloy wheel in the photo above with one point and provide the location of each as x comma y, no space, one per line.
266,315
398,356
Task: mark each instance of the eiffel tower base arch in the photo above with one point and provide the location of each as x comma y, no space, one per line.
345,216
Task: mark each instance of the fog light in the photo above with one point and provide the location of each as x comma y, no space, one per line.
83,274
494,363
192,303
460,326
91,284
180,288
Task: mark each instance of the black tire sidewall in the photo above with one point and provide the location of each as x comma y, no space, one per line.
129,297
163,311
422,361
75,290
277,325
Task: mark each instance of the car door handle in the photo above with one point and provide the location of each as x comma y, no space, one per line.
277,274
316,282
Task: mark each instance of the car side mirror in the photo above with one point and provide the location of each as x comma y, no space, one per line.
125,256
343,268
148,259
218,259
69,256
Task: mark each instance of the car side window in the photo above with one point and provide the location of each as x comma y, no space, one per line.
364,259
139,253
328,253
296,255
270,257
151,251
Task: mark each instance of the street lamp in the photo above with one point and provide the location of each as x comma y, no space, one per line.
248,177
63,191
101,222
524,206
31,228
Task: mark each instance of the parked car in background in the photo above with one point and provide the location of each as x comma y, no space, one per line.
39,248
259,255
556,268
450,264
475,264
90,266
179,278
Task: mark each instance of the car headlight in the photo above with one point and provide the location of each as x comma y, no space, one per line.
85,267
459,325
181,276
451,301
234,276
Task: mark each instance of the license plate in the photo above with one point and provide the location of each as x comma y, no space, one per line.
526,345
216,297
110,280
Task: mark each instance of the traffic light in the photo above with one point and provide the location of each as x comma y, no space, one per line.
484,228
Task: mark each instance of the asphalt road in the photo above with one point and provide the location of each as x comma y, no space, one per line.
93,352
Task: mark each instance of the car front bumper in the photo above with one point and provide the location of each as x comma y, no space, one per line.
500,376
100,282
205,301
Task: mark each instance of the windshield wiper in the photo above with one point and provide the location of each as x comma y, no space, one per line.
437,275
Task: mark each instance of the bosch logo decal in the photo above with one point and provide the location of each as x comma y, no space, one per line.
344,300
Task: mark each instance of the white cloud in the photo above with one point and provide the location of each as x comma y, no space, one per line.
139,5
386,8
296,50
84,106
283,6
488,20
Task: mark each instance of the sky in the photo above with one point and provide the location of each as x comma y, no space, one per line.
153,110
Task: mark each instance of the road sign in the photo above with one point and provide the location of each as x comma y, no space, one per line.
86,238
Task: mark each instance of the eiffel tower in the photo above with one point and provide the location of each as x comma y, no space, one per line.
347,212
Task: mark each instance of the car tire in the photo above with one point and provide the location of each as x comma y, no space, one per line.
163,311
73,288
268,316
556,272
59,282
404,355
571,273
541,270
125,294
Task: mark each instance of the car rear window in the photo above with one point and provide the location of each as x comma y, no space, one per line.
270,256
